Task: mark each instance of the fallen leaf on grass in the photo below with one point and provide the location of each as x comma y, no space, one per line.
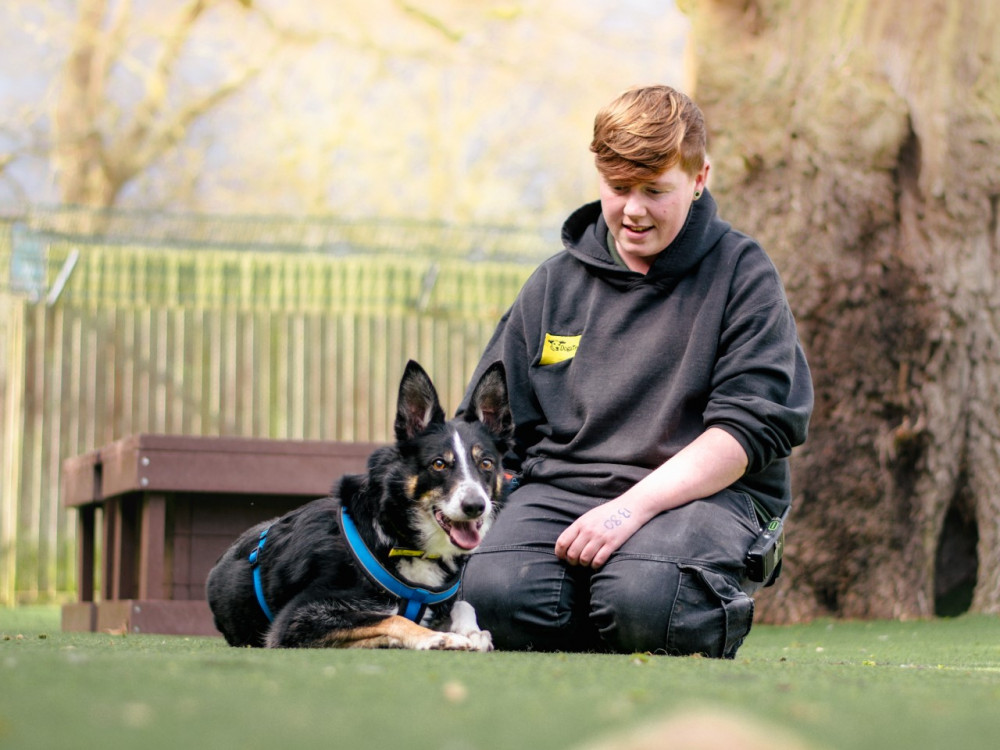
702,729
454,691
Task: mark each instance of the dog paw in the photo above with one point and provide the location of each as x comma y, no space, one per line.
481,640
446,642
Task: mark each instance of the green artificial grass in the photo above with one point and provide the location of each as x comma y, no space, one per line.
879,685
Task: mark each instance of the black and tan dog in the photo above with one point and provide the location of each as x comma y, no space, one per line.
359,568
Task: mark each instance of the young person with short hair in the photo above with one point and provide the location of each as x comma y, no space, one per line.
658,387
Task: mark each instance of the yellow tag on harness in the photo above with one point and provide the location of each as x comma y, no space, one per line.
559,348
400,552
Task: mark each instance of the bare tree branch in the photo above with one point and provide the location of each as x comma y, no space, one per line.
151,107
432,21
92,165
169,131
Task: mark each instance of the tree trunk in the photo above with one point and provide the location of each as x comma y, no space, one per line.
857,141
97,148
78,148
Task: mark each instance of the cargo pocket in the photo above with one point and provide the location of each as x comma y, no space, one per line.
710,616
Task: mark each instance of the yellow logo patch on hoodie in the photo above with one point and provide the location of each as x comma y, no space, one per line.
559,348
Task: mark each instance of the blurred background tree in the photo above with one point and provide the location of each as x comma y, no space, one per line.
857,141
106,131
437,109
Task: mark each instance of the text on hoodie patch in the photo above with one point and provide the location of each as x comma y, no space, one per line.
559,348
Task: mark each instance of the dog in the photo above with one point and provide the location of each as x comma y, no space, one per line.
377,563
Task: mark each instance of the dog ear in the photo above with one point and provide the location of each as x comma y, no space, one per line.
418,406
490,403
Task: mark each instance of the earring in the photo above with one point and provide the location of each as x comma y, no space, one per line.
697,194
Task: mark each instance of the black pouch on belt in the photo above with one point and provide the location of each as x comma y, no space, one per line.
763,559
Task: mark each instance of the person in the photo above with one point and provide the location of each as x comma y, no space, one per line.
657,386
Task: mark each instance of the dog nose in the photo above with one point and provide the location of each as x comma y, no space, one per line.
472,502
473,507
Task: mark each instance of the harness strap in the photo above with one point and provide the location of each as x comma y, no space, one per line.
258,587
414,599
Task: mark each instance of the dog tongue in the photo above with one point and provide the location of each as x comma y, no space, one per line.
464,534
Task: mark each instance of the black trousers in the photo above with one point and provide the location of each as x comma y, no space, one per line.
675,587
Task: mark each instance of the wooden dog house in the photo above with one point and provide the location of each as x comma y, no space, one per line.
156,511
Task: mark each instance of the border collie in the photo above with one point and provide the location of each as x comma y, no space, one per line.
377,564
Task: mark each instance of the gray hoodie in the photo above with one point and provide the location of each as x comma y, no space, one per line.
612,372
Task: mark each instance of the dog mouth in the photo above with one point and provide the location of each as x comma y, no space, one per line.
463,534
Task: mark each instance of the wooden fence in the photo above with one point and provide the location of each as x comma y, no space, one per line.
213,342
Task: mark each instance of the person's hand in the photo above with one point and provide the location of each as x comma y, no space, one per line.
594,536
711,462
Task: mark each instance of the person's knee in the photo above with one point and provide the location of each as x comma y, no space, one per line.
486,588
711,615
630,605
523,598
661,607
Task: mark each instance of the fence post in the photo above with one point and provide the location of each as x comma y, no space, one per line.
12,372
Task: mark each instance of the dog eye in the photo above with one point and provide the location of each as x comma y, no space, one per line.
439,464
486,464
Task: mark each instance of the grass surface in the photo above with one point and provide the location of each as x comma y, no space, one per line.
879,685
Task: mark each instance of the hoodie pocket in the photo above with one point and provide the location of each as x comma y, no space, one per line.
711,615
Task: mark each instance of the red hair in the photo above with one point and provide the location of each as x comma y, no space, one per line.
646,131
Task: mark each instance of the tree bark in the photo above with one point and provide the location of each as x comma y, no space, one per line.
77,144
856,141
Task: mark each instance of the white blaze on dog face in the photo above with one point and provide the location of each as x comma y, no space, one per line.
470,496
466,505
461,506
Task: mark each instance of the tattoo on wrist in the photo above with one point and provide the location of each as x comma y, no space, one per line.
616,519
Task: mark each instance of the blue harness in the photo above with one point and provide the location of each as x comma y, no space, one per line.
414,600
258,587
